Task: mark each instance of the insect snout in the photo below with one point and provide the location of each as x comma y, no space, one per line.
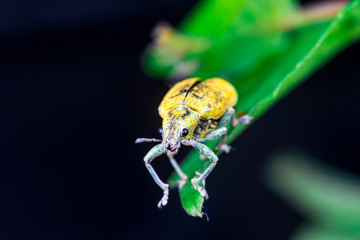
171,146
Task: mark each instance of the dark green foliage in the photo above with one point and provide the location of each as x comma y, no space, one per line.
265,48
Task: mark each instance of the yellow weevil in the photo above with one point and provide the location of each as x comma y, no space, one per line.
194,111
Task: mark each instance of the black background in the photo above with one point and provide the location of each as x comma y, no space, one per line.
74,98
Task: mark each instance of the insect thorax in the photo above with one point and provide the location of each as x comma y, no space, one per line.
183,116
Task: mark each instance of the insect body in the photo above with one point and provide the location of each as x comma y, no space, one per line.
194,112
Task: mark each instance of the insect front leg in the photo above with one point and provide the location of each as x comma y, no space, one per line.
228,116
205,151
151,155
178,170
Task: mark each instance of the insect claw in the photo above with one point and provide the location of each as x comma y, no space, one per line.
224,148
182,183
165,198
201,190
245,119
204,193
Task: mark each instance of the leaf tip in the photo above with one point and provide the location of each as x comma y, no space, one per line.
191,200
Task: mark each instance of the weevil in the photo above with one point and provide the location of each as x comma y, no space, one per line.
193,112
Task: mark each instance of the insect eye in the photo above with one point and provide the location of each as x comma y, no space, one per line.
161,130
185,132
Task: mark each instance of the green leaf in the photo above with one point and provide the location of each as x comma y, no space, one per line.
329,198
189,194
309,232
266,49
220,26
217,33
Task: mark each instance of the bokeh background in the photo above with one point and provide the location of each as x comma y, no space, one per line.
74,99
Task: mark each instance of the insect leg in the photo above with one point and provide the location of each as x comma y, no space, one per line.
151,155
178,170
220,132
205,151
246,119
213,135
227,117
230,116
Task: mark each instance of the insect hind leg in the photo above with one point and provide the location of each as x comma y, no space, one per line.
226,118
229,116
244,119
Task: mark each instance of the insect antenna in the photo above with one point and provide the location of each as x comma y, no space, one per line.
141,140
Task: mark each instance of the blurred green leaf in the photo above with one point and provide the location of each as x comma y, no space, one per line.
329,198
310,232
265,48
